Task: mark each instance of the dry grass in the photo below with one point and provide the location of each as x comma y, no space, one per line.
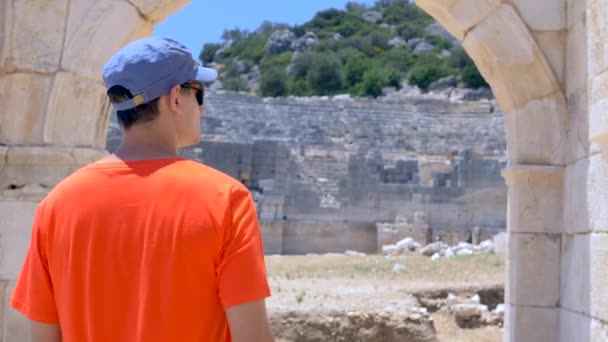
418,269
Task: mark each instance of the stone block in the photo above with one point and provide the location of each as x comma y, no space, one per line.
85,156
575,11
44,166
514,65
542,15
24,98
537,132
576,92
575,276
597,31
458,16
16,219
553,46
37,32
158,10
78,107
272,236
599,331
576,206
109,24
535,199
6,23
574,327
599,275
534,270
17,326
531,324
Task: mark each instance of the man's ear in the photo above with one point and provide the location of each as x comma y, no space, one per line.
173,99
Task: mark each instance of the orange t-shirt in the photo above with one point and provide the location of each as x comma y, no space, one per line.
143,251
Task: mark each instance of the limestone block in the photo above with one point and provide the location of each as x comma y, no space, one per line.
38,27
77,108
575,276
587,188
598,120
553,46
85,156
576,92
509,58
3,152
574,327
458,16
537,132
599,275
575,11
535,198
16,219
17,327
534,269
599,331
531,324
159,10
96,30
542,15
6,23
597,31
24,98
36,166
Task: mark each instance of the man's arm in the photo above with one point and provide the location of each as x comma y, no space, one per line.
248,322
42,332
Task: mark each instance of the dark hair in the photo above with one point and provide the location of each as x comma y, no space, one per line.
142,113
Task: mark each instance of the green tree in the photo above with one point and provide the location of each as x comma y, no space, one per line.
472,78
355,68
274,82
302,64
373,82
325,76
423,74
235,84
208,53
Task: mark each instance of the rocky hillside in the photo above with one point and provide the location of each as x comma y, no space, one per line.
361,50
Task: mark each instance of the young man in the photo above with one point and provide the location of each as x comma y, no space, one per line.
146,246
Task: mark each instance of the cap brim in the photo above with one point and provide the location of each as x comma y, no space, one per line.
206,74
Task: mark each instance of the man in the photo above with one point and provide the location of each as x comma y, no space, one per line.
144,245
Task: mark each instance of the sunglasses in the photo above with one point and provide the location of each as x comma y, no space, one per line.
200,91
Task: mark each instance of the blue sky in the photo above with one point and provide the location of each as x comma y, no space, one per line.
203,21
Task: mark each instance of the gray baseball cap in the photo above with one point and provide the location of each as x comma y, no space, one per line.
150,67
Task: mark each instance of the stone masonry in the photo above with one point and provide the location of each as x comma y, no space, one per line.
546,61
358,162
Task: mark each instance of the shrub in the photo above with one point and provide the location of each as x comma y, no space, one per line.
373,82
208,53
355,68
235,84
472,78
281,60
424,74
302,64
325,76
274,82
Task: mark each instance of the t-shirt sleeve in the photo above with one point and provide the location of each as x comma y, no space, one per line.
241,269
33,294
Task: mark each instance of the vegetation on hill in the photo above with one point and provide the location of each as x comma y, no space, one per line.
359,50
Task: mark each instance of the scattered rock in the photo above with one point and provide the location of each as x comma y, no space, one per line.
412,43
390,249
280,41
444,83
408,244
464,252
435,29
423,48
305,42
342,97
398,268
500,243
372,16
468,94
433,248
435,257
355,253
397,42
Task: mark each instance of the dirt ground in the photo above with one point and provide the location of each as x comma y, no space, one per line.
338,297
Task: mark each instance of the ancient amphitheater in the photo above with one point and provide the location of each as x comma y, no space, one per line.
547,63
